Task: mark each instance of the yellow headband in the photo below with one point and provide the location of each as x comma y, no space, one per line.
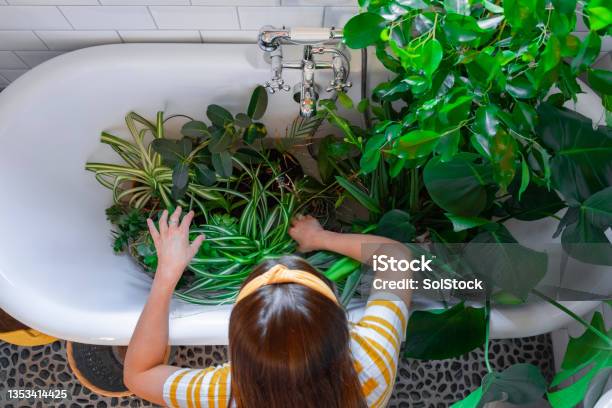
281,274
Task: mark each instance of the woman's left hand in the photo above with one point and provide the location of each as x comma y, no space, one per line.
174,252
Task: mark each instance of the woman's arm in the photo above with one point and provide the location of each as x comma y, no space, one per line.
311,236
144,371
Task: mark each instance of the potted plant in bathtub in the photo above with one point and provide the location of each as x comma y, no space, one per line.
469,132
243,193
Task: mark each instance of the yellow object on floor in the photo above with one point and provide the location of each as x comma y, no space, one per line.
26,337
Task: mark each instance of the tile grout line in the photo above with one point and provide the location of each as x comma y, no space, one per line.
21,59
238,17
152,18
120,37
7,81
65,18
41,40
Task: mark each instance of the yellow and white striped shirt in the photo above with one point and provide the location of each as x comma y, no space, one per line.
375,344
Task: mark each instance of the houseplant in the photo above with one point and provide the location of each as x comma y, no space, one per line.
468,133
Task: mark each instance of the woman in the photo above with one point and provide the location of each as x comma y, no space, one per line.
290,343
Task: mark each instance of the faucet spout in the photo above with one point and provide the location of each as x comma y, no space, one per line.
308,93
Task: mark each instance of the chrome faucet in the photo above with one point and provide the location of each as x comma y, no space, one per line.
316,41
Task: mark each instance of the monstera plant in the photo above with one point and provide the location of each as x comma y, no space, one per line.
469,132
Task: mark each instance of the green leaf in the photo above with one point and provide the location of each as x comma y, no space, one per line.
243,120
464,223
504,154
581,163
587,355
345,100
371,154
428,333
415,144
564,6
461,29
358,195
255,131
431,55
486,125
551,54
536,203
195,128
397,225
454,112
600,80
584,241
471,401
495,256
180,179
172,151
205,175
258,103
600,13
520,384
448,145
219,116
460,185
522,15
524,116
520,87
221,140
222,162
458,6
598,209
363,29
587,53
483,69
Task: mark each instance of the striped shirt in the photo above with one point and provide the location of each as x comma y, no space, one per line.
375,345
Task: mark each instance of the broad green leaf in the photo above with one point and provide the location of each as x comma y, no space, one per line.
587,355
218,115
520,87
551,54
503,297
359,195
581,163
570,44
524,116
372,154
195,128
431,55
483,69
324,163
461,29
520,384
458,322
598,209
524,178
495,256
363,29
463,223
180,179
564,6
345,100
458,6
600,80
584,241
221,139
172,151
397,225
504,155
258,103
205,175
243,120
454,112
459,186
448,145
415,144
587,53
222,162
561,24
600,13
492,7
536,203
486,125
471,401
522,15
255,131
363,105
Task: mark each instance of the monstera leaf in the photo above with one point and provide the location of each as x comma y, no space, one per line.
428,332
581,164
501,261
460,184
588,355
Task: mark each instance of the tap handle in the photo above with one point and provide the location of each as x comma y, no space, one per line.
275,85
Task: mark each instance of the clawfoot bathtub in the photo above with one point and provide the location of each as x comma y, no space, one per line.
58,273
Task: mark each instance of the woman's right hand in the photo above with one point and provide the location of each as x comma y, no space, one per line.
307,232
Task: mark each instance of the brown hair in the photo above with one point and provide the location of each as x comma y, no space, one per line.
289,347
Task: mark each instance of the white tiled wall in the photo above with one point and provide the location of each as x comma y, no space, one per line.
32,31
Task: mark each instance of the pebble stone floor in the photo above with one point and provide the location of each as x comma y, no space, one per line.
420,384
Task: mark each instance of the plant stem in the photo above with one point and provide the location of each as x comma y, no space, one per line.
486,347
414,185
579,319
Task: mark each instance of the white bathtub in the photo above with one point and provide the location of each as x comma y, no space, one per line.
58,273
